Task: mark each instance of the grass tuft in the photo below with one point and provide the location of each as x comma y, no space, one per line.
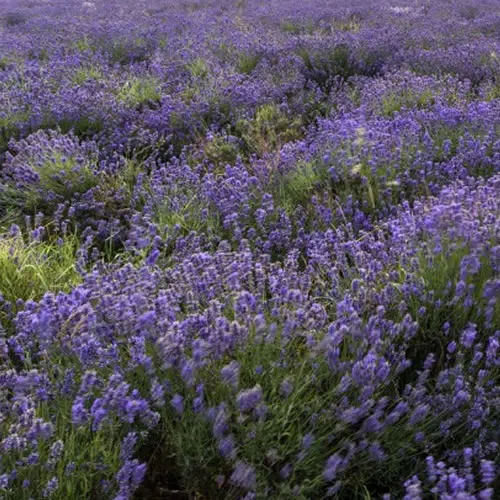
29,269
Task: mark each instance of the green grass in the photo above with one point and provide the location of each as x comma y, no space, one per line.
297,28
290,27
139,91
83,75
62,178
9,127
221,152
406,99
4,63
373,187
83,127
92,454
127,51
349,25
493,92
298,186
183,451
247,63
83,45
268,130
437,274
189,440
324,66
198,68
187,218
30,269
59,179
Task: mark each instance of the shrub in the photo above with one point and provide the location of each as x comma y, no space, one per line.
268,130
140,91
30,269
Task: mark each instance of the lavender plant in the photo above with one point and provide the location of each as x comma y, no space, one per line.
249,250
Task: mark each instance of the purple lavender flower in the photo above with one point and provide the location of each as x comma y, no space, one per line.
220,425
286,471
230,373
227,447
4,481
129,477
413,490
248,399
334,465
178,403
286,388
488,472
50,488
127,446
244,476
56,450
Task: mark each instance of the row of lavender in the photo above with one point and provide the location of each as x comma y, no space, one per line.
249,251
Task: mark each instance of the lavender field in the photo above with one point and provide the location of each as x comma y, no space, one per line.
249,249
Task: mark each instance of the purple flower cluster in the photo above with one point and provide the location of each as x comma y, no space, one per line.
287,218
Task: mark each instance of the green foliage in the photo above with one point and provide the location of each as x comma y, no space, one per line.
4,63
139,91
84,45
298,186
361,181
186,218
83,127
493,92
406,99
59,179
247,63
316,107
127,50
447,139
440,274
198,68
62,177
12,19
324,66
30,269
296,28
221,152
9,127
83,75
339,61
39,54
351,25
271,443
269,129
89,456
224,51
372,186
290,27
123,182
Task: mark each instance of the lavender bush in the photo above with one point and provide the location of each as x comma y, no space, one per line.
249,249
